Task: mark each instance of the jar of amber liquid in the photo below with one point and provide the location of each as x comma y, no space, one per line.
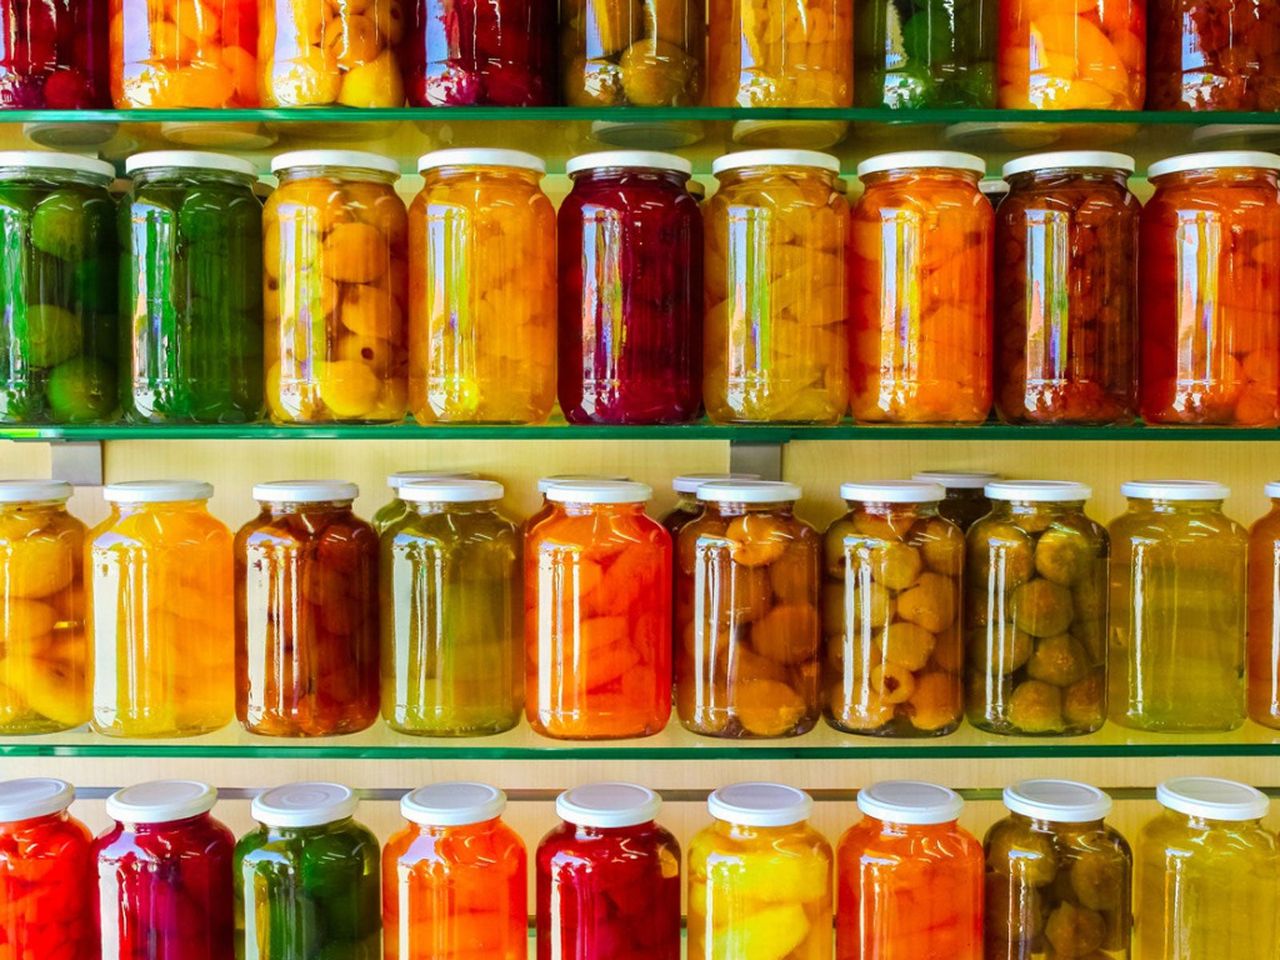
1178,591
545,484
1213,55
160,612
396,509
643,53
1264,624
920,272
965,500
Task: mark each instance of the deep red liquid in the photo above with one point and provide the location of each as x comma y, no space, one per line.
53,54
46,881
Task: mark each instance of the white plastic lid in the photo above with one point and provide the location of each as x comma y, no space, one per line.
599,491
1175,489
188,160
306,804
156,491
690,482
453,804
305,491
1272,490
161,801
1037,491
1070,160
608,805
760,804
958,479
911,802
398,479
20,491
920,159
1057,801
480,157
451,491
893,491
546,483
643,159
1213,798
33,797
1215,160
356,159
42,160
749,491
775,158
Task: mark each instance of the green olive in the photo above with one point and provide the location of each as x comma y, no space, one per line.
1063,556
1041,607
1058,660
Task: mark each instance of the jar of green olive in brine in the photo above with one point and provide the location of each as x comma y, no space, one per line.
1036,612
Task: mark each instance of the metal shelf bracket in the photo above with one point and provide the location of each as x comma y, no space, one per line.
764,459
78,462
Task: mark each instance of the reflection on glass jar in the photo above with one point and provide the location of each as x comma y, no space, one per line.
1213,55
644,53
925,53
54,55
1264,625
966,501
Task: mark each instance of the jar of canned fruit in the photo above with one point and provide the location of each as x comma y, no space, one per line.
759,877
54,55
687,507
396,509
924,53
452,641
482,305
58,310
334,247
747,658
1210,322
920,272
546,508
776,326
1178,609
608,878
908,877
1213,55
1066,290
160,612
965,501
644,54
1263,668
1058,877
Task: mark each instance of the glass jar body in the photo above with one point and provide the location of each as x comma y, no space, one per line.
46,888
1263,667
649,53
1213,55
964,507
54,55
924,54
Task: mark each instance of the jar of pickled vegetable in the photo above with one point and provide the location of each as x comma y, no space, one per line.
452,643
1058,877
748,634
1213,55
1066,291
597,614
687,507
965,501
453,879
908,877
58,330
920,268
630,254
624,53
1207,874
191,230
924,53
334,247
608,878
776,338
160,612
1210,285
54,55
1036,612
396,509
164,875
1264,625
759,877
306,880
1175,661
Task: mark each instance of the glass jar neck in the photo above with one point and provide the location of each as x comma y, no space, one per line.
1148,505
463,173
60,506
437,831
893,510
1054,176
612,176
727,508
1022,508
1225,176
606,509
754,174
280,508
1205,823
583,832
186,823
742,831
183,176
354,174
296,833
1055,826
43,175
427,509
917,174
890,828
164,506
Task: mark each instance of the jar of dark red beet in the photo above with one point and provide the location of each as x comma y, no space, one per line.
53,55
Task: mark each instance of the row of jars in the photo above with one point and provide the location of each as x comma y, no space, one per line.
907,882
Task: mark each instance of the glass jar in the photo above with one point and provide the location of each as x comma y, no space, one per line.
597,614
747,660
1066,291
1036,612
920,272
191,235
776,332
546,483
164,875
1178,609
891,613
608,878
687,507
624,53
452,642
1263,669
1210,318
43,687
54,55
334,246
306,613
1058,877
454,883
58,330
965,502
160,612
396,509
759,877
908,877
1213,55
630,254
1207,874
306,879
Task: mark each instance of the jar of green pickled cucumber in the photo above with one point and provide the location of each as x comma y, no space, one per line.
191,278
58,329
965,502
1035,612
307,879
395,508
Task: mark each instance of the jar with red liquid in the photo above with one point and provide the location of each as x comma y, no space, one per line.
630,243
53,54
164,875
608,878
1213,55
1210,281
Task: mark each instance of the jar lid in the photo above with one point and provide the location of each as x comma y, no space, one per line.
34,797
1215,160
958,479
775,158
480,157
893,491
690,482
599,491
305,491
546,483
453,804
161,801
992,186
189,160
642,159
760,804
608,805
306,804
20,491
1175,489
1058,801
1070,160
1037,491
357,159
72,162
156,491
398,479
911,802
1213,798
922,159
749,491
451,491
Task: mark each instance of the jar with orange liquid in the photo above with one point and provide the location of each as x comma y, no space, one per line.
920,271
1263,667
597,598
1210,282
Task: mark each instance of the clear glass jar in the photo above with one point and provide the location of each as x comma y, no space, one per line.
1175,661
454,884
924,53
396,509
687,507
760,877
54,55
58,310
191,229
920,271
747,660
966,501
161,612
482,307
334,246
1213,55
306,613
1210,285
630,256
643,53
1263,668
546,483
452,633
776,330
1036,612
